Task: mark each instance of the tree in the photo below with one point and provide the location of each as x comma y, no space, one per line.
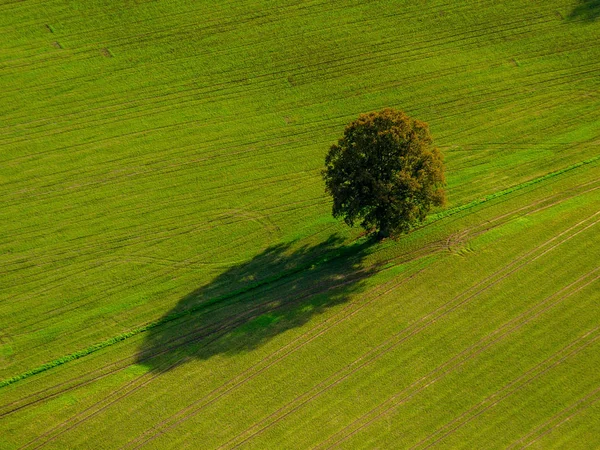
385,173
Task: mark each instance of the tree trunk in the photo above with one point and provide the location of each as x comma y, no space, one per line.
383,233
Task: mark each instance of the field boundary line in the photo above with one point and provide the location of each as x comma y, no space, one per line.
123,336
404,335
547,427
472,204
191,410
535,372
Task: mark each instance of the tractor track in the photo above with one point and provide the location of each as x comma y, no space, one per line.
440,245
457,361
404,335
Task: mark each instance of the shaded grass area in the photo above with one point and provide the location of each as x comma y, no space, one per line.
160,190
588,10
128,181
309,280
401,340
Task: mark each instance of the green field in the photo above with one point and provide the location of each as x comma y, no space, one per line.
171,275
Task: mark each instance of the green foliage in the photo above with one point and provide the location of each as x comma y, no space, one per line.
385,172
128,182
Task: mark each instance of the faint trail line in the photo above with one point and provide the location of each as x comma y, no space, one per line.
572,349
577,408
195,411
191,410
485,405
402,336
113,340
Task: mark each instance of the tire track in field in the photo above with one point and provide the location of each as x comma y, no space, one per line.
572,349
557,420
158,237
148,175
515,385
406,257
339,64
148,172
218,24
145,379
405,334
188,411
215,26
176,226
138,39
105,403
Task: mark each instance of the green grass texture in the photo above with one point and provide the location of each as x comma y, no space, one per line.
171,276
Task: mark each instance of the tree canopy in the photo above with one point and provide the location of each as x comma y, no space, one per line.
385,172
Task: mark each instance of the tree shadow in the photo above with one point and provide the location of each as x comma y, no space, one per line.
586,10
248,304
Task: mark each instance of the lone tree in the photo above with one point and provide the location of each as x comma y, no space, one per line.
385,173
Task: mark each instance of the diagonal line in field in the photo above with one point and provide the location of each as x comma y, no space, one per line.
143,328
493,399
573,410
405,334
189,411
519,210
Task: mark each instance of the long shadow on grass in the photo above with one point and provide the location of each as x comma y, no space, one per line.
586,10
241,309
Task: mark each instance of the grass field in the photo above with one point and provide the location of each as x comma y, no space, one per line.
171,276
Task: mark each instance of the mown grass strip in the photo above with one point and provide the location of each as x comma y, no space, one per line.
346,251
487,198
